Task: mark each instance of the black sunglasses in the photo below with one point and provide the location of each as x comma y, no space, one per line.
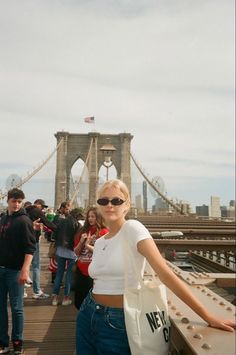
105,201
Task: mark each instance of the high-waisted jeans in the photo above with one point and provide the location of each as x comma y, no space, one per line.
100,330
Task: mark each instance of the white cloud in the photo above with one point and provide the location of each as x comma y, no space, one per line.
161,70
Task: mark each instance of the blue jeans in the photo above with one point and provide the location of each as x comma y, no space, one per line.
9,286
62,264
100,330
36,270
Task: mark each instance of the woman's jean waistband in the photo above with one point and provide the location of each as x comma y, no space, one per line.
90,302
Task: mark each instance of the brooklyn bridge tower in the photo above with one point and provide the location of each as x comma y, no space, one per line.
94,149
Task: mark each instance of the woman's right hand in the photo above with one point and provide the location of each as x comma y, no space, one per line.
83,237
81,243
88,242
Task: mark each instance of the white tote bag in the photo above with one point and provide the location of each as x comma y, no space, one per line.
146,312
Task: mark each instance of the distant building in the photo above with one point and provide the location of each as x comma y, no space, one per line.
231,212
185,207
227,211
139,203
224,211
160,206
215,207
145,202
202,211
232,203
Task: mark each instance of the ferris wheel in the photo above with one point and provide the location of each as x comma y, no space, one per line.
12,181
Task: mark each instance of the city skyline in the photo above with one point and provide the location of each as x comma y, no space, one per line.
44,188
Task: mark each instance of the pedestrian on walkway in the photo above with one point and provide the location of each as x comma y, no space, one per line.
62,212
29,280
84,241
17,246
35,212
49,214
64,237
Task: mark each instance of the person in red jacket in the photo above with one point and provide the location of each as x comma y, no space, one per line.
85,238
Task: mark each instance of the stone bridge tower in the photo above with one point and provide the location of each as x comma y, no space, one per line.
76,146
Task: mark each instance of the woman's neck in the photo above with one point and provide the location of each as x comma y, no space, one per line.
114,228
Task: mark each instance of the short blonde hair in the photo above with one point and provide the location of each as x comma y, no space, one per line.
118,184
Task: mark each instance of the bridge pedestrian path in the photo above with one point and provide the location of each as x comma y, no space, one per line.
48,330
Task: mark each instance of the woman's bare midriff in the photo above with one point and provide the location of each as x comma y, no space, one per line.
115,301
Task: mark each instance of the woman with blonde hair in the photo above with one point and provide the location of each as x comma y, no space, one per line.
100,325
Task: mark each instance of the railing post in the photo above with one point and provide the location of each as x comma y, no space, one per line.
227,255
218,257
211,255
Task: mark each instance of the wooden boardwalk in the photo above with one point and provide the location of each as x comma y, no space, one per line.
48,330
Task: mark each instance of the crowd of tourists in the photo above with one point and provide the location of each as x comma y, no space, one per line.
90,245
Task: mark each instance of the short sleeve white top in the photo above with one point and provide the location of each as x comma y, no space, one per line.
108,264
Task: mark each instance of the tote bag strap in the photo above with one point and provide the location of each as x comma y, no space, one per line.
129,259
150,269
130,263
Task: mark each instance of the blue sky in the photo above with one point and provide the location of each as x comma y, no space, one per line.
160,70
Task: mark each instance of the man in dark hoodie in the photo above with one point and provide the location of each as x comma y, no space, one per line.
17,246
35,213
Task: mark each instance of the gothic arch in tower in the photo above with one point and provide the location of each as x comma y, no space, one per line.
77,146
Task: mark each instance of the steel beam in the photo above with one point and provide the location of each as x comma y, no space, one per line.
195,244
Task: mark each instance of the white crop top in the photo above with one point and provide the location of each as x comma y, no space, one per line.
108,266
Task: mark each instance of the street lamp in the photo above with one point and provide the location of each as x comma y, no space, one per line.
107,150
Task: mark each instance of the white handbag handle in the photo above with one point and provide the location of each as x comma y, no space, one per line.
128,255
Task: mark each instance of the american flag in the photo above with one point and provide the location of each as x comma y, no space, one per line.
89,120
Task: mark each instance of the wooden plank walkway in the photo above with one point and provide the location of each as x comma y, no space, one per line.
48,330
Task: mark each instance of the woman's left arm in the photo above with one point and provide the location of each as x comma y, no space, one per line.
148,248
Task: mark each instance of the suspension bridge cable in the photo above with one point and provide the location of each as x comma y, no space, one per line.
30,175
76,190
166,199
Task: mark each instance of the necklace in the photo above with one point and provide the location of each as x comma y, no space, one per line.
106,239
110,235
105,246
106,243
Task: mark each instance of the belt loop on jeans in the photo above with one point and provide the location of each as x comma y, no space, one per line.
91,299
95,304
